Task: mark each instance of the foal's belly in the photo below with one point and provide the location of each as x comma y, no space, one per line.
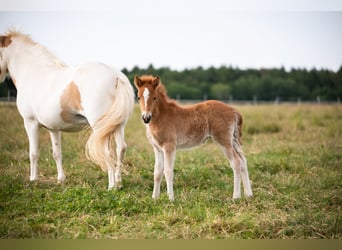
187,143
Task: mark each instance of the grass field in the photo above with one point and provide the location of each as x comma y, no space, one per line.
294,157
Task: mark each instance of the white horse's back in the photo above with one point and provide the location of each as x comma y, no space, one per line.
96,83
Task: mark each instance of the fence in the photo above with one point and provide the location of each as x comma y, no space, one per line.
11,100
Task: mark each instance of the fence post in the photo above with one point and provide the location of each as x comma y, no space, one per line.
8,96
255,100
276,101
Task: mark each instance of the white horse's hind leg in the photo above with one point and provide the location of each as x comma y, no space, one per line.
110,168
121,147
32,130
57,154
111,180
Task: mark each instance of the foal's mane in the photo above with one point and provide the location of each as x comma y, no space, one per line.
161,91
39,49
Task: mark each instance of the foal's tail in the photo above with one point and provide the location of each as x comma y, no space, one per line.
99,147
237,134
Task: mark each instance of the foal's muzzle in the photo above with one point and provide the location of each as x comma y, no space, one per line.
146,117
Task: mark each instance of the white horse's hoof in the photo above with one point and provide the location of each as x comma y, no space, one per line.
60,180
118,185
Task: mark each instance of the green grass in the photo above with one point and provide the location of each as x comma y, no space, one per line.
294,158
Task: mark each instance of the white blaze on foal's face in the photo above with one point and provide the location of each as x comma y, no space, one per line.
146,115
146,95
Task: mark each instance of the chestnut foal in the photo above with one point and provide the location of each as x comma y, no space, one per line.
170,127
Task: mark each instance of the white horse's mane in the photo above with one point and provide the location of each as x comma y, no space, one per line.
36,47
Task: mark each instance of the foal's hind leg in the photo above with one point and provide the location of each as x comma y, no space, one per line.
236,162
239,165
32,130
236,166
121,147
57,154
244,174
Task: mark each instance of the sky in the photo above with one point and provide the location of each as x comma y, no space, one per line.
184,33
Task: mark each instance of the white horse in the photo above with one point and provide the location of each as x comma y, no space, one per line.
60,98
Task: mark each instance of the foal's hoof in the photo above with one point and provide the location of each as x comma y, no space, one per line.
33,178
248,195
236,197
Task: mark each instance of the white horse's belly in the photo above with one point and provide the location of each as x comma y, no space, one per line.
80,123
51,117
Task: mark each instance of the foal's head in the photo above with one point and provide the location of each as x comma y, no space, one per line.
146,86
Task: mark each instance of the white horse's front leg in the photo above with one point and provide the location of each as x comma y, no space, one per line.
158,172
57,154
169,159
32,130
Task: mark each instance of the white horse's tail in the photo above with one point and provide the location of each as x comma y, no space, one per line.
99,147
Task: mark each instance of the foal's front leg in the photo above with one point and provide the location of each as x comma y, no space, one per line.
169,152
32,130
158,171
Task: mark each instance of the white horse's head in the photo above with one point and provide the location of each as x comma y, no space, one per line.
5,41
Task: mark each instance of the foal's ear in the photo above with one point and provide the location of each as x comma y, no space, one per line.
5,41
137,81
156,81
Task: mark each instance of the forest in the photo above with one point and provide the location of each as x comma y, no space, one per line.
234,84
228,83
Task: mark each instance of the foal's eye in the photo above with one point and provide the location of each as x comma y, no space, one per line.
154,98
138,98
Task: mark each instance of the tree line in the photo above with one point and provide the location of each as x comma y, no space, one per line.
229,83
